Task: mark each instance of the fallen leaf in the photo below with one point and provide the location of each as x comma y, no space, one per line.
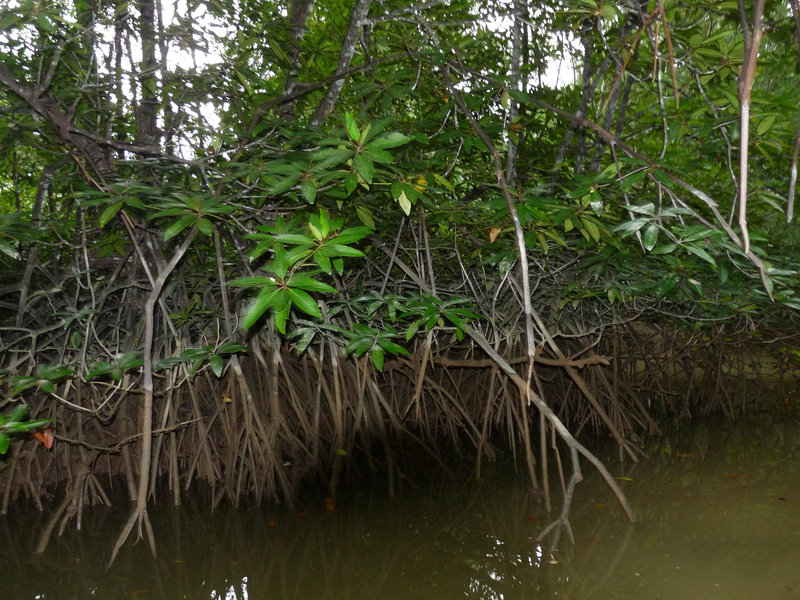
46,437
625,478
531,519
680,455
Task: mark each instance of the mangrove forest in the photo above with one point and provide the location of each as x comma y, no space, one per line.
267,248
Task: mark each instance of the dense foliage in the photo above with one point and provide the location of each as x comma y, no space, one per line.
181,178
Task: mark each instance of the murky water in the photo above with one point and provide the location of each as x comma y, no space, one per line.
718,518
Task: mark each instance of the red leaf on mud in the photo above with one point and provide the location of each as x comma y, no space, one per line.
46,437
531,519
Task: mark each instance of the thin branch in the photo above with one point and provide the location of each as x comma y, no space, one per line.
345,57
746,78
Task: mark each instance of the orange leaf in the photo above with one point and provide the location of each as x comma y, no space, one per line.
46,437
493,233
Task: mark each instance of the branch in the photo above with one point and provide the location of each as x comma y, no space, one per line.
746,78
705,198
348,51
58,120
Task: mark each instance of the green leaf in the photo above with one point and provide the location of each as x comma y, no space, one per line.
378,156
231,348
309,190
304,302
323,262
8,250
295,238
444,182
765,124
328,157
304,282
53,372
352,128
608,11
665,249
391,347
697,251
98,369
4,442
249,282
650,236
662,177
179,226
631,226
365,216
413,328
596,203
377,355
22,383
364,167
281,316
282,185
390,140
265,299
695,285
215,362
350,183
359,345
629,181
642,209
351,234
109,213
722,272
340,250
404,203
18,413
591,228
205,226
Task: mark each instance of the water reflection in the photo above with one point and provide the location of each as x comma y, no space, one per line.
718,509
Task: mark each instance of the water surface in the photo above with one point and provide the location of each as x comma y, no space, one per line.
718,512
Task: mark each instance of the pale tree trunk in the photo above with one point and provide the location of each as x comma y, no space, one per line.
300,11
516,83
328,103
748,74
147,117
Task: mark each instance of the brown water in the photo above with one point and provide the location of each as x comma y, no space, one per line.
718,518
